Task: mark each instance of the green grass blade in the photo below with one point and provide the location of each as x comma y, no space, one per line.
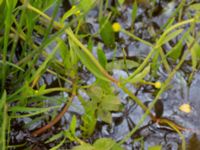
3,120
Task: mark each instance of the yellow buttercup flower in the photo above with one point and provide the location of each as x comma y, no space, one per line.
116,27
36,91
185,108
158,84
77,12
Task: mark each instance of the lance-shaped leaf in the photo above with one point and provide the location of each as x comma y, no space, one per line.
170,36
89,60
137,78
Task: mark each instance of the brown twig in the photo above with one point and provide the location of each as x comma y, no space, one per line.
58,117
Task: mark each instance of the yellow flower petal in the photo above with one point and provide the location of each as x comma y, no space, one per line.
157,84
185,108
116,27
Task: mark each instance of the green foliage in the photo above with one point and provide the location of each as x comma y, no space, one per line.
86,5
106,31
170,36
156,147
84,146
106,102
3,120
121,64
194,49
101,57
195,7
137,78
86,60
89,118
71,132
55,137
121,1
100,144
134,12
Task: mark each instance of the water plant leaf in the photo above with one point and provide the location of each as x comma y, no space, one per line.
55,137
1,1
121,1
43,66
101,57
137,78
3,119
171,36
156,147
56,147
13,65
89,118
83,146
134,12
70,12
195,7
155,63
65,55
121,64
103,102
85,59
86,5
31,109
111,103
72,126
68,135
2,102
195,53
105,115
105,144
106,32
175,52
107,104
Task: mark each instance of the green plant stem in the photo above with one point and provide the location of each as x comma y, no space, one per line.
156,99
137,100
4,126
176,128
162,55
137,38
144,63
174,27
59,116
164,60
73,37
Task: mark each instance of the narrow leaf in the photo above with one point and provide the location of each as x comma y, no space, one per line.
101,57
195,7
137,78
106,32
85,59
134,12
72,126
170,36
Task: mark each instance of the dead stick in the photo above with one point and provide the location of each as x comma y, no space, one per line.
58,117
54,121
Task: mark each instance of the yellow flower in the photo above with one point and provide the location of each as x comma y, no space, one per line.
36,91
77,12
116,27
185,108
157,84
